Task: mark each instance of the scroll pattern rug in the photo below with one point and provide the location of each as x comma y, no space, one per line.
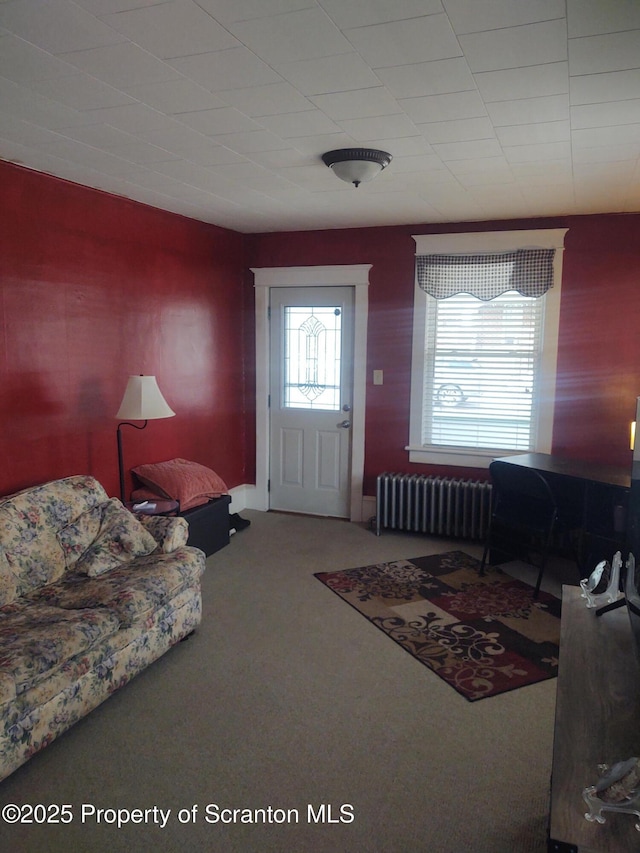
482,635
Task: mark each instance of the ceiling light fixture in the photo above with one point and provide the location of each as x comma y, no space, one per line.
355,165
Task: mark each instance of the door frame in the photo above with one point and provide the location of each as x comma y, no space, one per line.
347,275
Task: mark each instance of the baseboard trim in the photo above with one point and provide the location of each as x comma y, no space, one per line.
368,507
246,496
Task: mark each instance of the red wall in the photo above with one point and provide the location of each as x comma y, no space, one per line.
94,288
599,357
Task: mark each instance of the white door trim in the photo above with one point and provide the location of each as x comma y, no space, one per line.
357,276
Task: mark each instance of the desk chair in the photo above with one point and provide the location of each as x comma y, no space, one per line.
523,515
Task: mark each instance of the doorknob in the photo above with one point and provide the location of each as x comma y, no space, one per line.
344,424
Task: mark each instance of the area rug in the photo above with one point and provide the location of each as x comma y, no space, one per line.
482,635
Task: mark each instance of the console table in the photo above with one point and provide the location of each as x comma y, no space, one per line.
597,722
590,497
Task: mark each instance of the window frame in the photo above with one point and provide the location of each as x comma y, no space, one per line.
474,243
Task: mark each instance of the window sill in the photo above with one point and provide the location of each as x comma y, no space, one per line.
457,456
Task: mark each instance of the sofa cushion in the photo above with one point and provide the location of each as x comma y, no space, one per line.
31,547
103,538
30,521
190,483
8,581
7,688
37,639
77,536
132,591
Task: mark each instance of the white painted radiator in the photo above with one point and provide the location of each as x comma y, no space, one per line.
441,506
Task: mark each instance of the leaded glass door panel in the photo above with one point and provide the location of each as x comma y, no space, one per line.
311,386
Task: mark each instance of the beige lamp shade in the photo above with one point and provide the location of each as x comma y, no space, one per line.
143,400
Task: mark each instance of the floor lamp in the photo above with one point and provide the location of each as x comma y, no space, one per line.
142,401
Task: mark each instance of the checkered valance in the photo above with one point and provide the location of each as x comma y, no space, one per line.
485,276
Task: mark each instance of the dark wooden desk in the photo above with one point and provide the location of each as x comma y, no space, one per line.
597,712
574,469
591,498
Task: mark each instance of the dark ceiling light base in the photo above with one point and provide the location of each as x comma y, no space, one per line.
355,165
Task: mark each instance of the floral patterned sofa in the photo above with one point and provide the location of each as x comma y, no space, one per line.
90,595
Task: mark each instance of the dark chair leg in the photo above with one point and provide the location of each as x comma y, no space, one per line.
483,562
536,592
543,563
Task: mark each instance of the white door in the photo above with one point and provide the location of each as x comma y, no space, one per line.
310,399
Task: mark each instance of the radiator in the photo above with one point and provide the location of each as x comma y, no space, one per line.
436,505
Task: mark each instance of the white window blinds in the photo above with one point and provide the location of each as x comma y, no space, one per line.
481,369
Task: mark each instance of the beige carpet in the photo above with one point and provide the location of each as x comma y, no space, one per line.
286,701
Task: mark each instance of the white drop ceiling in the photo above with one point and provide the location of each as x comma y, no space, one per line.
220,110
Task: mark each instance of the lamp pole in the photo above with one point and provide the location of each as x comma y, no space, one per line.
120,462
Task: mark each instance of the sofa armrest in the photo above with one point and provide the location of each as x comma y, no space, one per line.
170,532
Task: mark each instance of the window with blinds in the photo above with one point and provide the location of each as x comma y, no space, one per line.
486,316
481,371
